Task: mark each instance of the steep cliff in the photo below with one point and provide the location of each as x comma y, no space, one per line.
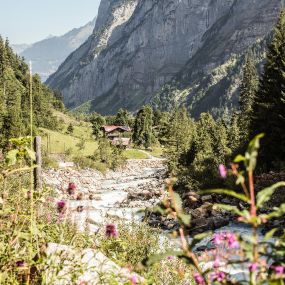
138,46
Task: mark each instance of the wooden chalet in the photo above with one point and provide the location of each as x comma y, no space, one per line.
118,135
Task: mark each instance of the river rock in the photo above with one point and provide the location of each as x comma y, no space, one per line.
207,198
86,266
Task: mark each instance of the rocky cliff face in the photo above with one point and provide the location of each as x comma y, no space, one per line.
140,45
49,53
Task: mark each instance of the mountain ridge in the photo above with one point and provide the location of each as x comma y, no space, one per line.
140,46
49,53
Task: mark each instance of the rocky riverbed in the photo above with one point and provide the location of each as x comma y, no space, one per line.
137,185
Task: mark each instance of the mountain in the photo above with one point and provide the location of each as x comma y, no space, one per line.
18,48
49,53
164,52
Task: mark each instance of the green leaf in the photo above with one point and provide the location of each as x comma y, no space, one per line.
177,203
199,237
230,208
255,143
158,257
229,193
276,282
31,153
265,195
202,236
269,235
159,210
240,179
239,158
11,157
252,153
278,212
184,218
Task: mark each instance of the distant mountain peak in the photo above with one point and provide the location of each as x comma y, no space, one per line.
48,54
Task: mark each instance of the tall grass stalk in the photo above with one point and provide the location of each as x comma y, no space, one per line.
31,170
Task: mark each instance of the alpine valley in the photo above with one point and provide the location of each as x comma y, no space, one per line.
165,52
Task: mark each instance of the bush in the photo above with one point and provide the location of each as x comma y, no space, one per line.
87,162
108,154
137,241
49,162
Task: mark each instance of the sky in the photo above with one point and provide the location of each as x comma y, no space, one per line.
28,21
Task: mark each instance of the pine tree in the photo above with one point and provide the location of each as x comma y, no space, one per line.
97,122
179,137
269,106
161,126
248,92
123,118
143,132
12,122
70,129
15,99
234,133
208,150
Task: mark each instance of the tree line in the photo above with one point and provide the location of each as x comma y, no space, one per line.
15,97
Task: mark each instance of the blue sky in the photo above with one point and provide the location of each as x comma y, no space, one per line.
28,21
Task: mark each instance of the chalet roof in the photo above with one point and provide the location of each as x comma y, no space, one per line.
112,128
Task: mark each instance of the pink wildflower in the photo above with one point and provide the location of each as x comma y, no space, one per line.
217,262
253,267
219,238
111,231
199,279
229,238
71,186
170,258
61,205
20,263
279,270
134,279
232,240
223,171
218,276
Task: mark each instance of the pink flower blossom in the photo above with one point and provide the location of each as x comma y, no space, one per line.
71,186
111,231
61,205
20,263
199,279
219,238
279,270
229,238
218,276
170,258
223,171
232,240
134,279
253,267
217,262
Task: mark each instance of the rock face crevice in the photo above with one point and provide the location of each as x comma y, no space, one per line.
140,45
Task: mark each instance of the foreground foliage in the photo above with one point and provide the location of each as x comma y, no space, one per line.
262,259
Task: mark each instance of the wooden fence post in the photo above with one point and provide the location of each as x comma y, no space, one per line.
38,170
